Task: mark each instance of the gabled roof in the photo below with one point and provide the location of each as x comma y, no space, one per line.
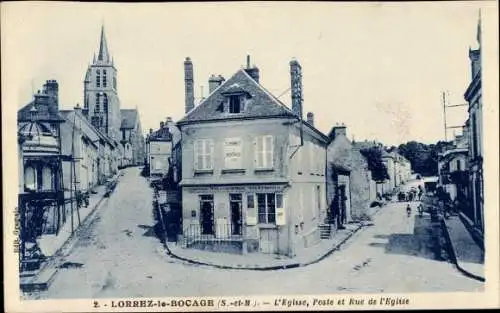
44,112
162,134
129,118
262,104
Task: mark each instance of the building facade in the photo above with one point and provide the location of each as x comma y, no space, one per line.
132,139
261,186
41,196
473,95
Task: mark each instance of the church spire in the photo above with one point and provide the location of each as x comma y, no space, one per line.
103,47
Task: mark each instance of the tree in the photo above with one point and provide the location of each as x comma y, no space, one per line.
373,156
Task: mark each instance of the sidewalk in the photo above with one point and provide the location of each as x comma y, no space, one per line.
467,255
262,261
56,245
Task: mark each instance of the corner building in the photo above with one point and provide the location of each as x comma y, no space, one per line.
253,172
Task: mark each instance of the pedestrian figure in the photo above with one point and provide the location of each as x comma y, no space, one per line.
420,210
408,210
410,196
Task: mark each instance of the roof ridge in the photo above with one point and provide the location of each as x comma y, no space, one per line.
267,92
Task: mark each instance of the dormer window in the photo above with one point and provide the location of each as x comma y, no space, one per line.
235,99
235,104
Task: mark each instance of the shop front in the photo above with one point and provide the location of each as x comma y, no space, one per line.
234,218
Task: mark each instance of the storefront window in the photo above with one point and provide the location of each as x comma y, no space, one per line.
46,178
266,204
30,178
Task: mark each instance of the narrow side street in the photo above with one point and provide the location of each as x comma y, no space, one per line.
119,256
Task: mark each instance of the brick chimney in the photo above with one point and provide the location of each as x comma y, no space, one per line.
214,82
253,71
51,88
310,118
296,87
189,83
338,130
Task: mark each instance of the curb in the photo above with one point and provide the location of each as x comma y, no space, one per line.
453,256
264,268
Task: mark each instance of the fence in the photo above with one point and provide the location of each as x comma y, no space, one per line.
211,235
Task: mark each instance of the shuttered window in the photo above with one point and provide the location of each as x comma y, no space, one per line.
264,151
204,154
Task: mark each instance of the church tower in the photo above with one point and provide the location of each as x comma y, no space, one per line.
101,103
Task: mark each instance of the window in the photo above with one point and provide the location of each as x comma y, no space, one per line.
250,201
264,151
104,79
234,104
97,103
105,102
266,205
47,182
204,154
459,165
98,81
30,178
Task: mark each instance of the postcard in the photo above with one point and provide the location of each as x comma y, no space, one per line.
240,156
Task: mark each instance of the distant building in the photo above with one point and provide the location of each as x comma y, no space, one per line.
350,188
102,107
159,147
95,155
132,139
473,95
253,172
453,169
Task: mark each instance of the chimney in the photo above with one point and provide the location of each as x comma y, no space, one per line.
189,83
253,71
310,118
296,87
338,130
78,108
51,88
214,82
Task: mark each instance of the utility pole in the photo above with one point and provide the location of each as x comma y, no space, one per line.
445,106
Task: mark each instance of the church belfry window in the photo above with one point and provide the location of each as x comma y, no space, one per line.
104,79
97,103
105,102
98,80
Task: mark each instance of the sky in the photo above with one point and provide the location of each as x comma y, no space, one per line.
378,68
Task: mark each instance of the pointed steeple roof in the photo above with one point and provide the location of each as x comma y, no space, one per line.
103,47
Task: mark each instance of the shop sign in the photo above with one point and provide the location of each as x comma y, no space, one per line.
232,153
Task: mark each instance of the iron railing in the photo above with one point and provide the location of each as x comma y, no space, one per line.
212,233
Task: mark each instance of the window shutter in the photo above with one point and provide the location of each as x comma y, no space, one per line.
255,152
211,154
269,151
196,154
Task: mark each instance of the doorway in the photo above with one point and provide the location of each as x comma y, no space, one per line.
207,214
235,207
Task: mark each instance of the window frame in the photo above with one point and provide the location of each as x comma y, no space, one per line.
207,155
263,154
234,100
267,213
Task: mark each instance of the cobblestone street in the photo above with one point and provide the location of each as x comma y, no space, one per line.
119,256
